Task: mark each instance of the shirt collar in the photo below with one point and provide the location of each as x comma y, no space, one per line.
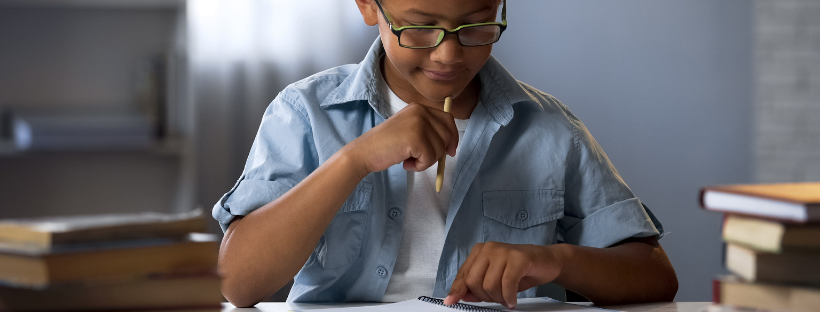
500,90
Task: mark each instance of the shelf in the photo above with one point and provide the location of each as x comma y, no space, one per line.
169,147
104,48
107,4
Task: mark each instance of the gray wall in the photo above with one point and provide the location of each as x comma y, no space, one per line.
81,57
787,90
666,88
76,57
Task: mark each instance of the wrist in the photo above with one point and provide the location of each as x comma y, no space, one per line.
348,158
562,255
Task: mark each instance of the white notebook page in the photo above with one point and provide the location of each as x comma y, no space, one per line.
524,304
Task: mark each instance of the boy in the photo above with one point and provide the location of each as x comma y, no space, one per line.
338,191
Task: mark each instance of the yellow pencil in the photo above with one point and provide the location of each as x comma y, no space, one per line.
448,101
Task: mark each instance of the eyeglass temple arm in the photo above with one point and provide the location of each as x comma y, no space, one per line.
504,10
387,17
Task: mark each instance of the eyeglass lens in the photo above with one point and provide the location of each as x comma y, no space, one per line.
467,36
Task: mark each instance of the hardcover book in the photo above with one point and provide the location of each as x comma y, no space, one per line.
194,292
797,268
791,202
56,231
771,236
38,268
732,291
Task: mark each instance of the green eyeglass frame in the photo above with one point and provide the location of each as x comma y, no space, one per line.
398,31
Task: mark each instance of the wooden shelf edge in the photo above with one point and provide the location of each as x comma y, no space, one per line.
167,147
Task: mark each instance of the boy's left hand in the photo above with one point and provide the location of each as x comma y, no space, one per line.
496,272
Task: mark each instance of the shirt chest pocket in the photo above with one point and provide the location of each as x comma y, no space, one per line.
341,243
522,217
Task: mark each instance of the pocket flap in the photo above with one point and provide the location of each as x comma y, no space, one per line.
523,209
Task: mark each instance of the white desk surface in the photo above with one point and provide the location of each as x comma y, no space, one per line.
284,307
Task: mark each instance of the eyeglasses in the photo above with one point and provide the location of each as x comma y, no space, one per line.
470,35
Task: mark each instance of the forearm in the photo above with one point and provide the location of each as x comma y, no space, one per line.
262,251
627,273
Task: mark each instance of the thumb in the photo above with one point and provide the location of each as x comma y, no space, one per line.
410,164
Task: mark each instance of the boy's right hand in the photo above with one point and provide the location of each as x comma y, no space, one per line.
417,135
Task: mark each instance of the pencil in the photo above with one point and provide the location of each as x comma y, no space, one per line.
448,101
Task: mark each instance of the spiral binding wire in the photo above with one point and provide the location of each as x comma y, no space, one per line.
458,306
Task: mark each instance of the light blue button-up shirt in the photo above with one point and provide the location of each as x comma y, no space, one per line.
528,172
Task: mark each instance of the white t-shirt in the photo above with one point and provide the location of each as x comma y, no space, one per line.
422,237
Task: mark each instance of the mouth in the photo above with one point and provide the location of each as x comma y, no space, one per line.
441,75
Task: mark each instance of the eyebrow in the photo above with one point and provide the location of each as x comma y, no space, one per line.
422,13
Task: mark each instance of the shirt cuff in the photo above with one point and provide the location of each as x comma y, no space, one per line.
245,197
612,224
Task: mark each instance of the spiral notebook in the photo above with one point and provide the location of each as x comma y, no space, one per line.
429,304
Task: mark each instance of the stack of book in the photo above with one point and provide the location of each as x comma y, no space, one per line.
772,232
109,262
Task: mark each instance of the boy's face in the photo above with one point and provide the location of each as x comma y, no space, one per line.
433,73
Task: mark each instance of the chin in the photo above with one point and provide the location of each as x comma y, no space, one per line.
438,91
438,96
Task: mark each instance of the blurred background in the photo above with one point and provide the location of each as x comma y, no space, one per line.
134,105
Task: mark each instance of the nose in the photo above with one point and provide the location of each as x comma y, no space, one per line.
449,51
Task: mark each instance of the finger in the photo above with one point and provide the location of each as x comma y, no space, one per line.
448,121
475,278
438,144
470,297
428,154
452,147
446,137
492,280
457,291
445,132
474,253
409,164
422,151
443,123
459,288
509,284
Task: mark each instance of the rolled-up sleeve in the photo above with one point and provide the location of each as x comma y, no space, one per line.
600,209
283,153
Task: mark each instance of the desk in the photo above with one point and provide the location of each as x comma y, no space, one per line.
644,307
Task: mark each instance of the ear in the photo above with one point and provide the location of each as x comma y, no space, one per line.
370,12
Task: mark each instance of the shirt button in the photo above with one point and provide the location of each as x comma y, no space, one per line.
394,213
523,215
381,271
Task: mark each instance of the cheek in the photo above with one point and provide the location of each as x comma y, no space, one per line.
407,61
476,57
